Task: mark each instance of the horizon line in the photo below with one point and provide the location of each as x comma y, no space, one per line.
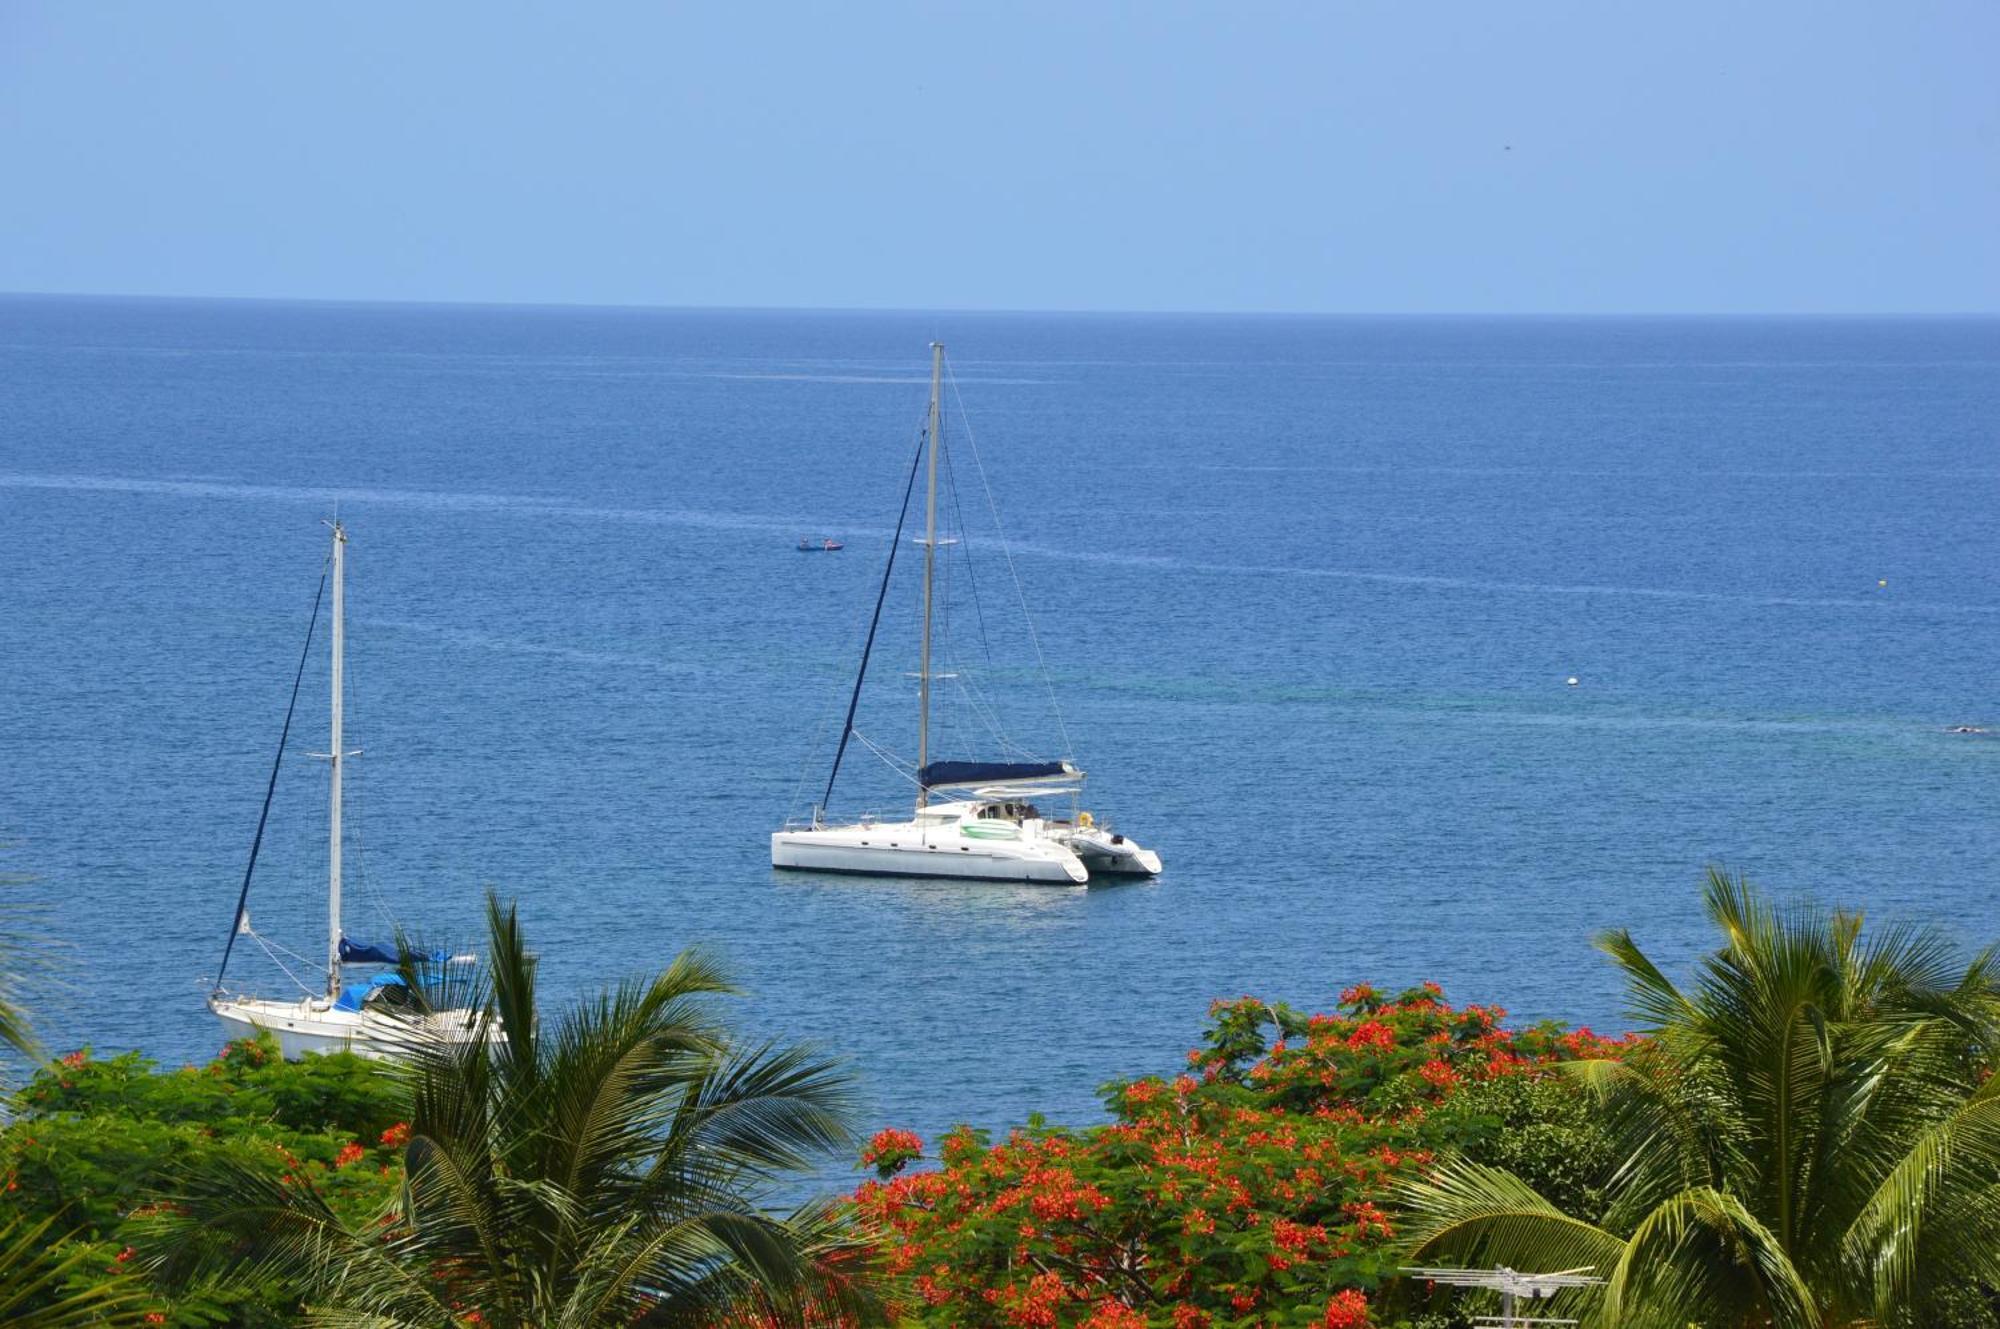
635,307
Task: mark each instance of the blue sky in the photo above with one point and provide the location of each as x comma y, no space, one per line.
1777,156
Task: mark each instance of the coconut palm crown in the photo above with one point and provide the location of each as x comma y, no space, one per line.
1810,1137
610,1167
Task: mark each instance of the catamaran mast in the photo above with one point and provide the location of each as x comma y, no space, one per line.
930,568
336,753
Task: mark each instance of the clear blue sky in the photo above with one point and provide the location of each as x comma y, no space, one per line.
1547,155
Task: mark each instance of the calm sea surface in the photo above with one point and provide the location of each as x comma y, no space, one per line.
1308,592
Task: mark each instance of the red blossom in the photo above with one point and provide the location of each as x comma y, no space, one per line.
1372,1034
1290,1126
1110,1314
891,1151
396,1136
1347,1310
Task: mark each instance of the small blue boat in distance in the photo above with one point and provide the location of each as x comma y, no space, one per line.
807,546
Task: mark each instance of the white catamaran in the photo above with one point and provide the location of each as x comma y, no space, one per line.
988,827
376,1016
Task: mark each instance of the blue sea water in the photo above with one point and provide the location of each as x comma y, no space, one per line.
1308,591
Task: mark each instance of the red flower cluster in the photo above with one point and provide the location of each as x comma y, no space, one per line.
1372,1034
1347,1310
396,1136
1254,1185
892,1150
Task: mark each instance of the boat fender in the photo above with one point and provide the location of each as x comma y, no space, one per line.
1085,820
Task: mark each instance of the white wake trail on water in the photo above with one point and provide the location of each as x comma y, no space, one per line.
461,501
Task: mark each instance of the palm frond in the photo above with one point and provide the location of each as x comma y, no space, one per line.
24,958
1887,1238
1480,1215
35,1290
1651,997
1703,1258
511,970
767,1108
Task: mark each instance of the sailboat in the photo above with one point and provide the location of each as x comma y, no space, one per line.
377,1016
985,823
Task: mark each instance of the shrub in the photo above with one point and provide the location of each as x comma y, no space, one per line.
1251,1189
90,1140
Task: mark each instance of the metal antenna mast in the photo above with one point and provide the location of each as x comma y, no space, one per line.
1512,1287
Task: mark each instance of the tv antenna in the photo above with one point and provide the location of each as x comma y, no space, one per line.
1512,1287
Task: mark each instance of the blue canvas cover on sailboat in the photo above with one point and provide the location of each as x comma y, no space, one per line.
990,772
368,952
354,994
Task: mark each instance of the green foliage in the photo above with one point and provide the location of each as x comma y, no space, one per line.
607,1167
1540,1128
1811,1137
249,1082
1251,1190
91,1142
44,1284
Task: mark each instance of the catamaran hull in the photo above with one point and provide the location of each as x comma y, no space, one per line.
1113,855
827,851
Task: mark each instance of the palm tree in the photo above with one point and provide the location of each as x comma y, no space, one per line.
21,956
1811,1137
611,1168
45,1284
40,1283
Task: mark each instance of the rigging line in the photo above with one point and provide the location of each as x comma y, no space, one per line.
357,823
1041,663
968,684
268,946
271,789
805,767
362,804
971,577
889,759
984,711
861,674
273,956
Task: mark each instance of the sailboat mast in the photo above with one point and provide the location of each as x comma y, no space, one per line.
333,834
930,572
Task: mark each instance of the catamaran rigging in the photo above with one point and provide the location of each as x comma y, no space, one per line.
992,830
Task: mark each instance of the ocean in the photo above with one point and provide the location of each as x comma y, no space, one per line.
1307,594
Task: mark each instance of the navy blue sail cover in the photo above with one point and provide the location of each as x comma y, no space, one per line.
365,952
990,772
368,952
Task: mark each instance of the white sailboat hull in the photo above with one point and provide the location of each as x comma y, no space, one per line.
906,850
312,1027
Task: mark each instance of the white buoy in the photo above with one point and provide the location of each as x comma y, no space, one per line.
1571,680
